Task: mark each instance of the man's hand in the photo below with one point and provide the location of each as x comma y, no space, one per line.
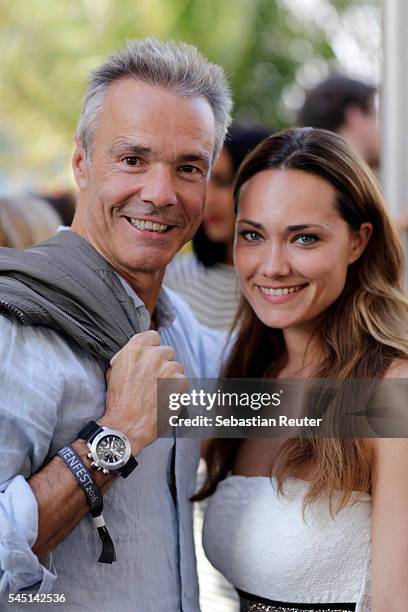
131,407
131,399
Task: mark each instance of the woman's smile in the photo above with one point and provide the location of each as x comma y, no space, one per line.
281,294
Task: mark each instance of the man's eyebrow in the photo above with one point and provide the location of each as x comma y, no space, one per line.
195,157
141,150
132,147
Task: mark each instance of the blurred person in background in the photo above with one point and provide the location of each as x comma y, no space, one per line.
25,221
205,278
63,203
346,106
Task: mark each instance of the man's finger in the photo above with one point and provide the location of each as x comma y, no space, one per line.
146,338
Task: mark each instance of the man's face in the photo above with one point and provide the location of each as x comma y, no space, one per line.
142,195
362,129
372,138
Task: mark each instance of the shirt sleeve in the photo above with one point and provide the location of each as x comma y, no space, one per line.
28,401
201,350
212,351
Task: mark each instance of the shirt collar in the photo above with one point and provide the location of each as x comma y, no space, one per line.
164,311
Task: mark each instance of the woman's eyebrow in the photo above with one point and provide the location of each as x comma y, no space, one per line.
303,226
253,223
290,228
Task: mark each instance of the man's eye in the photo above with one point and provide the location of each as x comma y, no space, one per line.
250,235
306,239
188,169
131,160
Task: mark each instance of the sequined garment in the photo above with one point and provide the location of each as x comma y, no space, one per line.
251,603
260,607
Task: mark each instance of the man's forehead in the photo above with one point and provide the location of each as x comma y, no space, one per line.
151,108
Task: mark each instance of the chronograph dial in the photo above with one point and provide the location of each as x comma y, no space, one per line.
110,450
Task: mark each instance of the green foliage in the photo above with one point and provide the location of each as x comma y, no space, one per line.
49,46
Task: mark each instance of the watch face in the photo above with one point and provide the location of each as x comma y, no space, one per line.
111,449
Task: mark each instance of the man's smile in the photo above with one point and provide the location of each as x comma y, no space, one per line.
148,226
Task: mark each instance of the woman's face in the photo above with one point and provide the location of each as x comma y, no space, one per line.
292,248
219,217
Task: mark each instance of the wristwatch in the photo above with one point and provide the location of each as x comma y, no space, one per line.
109,449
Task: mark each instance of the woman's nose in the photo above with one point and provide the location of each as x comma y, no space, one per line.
275,262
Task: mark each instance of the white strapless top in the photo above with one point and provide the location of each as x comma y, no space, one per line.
263,545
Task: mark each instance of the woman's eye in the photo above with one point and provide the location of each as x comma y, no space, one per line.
131,160
306,239
250,235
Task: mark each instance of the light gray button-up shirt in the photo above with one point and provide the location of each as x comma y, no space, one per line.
49,389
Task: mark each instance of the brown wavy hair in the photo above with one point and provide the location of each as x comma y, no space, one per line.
361,333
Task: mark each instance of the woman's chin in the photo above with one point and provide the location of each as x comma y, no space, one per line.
220,237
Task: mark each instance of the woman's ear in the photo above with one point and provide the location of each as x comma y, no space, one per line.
359,240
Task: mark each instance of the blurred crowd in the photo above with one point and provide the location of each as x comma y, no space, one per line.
28,219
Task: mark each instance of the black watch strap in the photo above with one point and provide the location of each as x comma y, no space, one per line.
90,431
128,467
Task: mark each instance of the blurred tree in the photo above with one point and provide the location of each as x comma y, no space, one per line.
48,48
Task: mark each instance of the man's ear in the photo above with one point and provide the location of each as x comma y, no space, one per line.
359,241
79,164
354,117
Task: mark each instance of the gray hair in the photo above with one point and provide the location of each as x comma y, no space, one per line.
174,65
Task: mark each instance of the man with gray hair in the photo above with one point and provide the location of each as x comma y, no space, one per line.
153,121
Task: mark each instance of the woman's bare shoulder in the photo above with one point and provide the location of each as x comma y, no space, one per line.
397,369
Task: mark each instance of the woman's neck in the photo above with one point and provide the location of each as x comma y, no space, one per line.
304,353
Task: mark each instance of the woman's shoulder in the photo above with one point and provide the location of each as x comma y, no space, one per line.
397,369
394,396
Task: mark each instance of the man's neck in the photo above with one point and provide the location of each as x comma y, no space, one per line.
146,285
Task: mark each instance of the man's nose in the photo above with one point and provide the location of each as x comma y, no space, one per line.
159,187
275,262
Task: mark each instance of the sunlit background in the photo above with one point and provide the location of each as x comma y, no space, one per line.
272,50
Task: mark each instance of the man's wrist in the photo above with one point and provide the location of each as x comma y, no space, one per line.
136,444
102,480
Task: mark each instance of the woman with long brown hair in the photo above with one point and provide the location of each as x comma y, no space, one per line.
313,523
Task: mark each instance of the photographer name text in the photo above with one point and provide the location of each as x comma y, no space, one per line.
254,421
